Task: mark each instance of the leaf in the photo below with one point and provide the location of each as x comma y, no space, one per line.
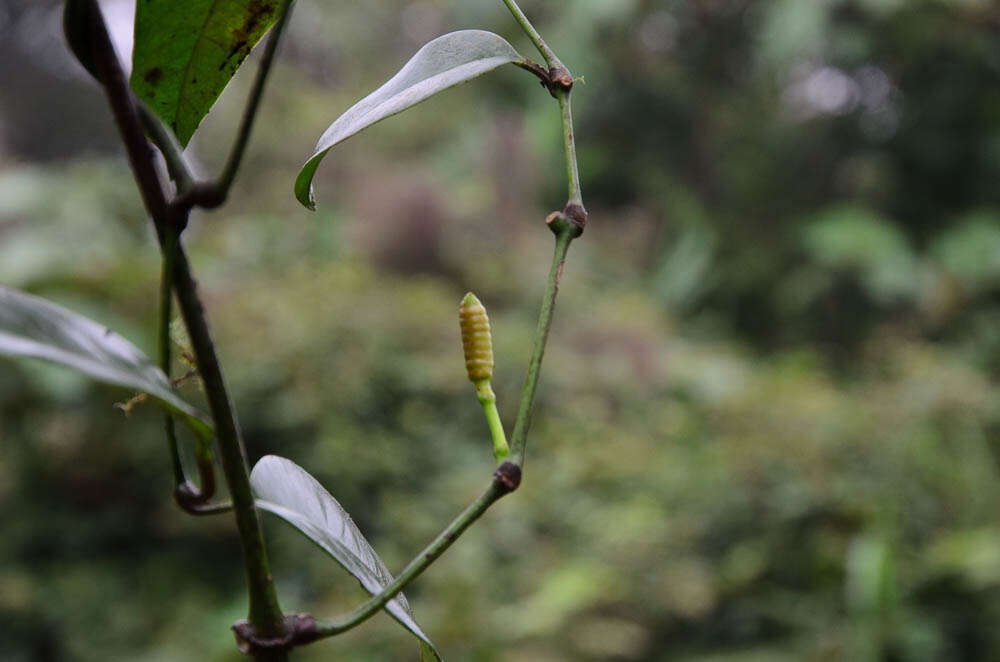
455,58
285,489
33,327
186,53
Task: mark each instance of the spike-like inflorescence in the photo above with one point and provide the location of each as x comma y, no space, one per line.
476,340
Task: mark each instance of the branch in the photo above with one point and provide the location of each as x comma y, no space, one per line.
569,146
265,612
565,233
543,48
505,480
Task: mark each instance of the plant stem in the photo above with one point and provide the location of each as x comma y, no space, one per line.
125,112
569,145
265,613
520,434
420,563
536,39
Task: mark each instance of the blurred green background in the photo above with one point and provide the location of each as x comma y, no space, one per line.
768,422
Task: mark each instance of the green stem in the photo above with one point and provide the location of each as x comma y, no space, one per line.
420,563
569,145
265,613
536,39
520,434
488,399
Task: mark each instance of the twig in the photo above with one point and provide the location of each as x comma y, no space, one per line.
505,480
569,147
518,438
550,57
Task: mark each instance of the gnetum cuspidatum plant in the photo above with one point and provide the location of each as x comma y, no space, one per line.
185,52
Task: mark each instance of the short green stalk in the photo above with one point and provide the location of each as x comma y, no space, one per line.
488,399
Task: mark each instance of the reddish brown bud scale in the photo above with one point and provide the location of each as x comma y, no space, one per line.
476,340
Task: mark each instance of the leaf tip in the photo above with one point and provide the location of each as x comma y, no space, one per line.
304,187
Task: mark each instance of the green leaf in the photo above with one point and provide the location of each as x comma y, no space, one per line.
442,63
186,53
33,327
285,489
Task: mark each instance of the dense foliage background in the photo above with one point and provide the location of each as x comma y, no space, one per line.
768,422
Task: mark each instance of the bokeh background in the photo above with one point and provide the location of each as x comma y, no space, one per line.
768,422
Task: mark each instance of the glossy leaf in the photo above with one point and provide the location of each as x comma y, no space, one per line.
285,489
186,53
442,63
33,327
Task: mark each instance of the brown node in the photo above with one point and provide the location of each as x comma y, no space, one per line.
508,475
300,629
577,214
560,77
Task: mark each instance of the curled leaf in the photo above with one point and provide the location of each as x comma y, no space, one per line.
454,58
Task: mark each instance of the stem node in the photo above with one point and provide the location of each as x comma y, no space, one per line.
300,629
559,79
572,219
508,476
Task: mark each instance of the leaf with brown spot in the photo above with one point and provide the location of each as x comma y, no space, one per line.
185,54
